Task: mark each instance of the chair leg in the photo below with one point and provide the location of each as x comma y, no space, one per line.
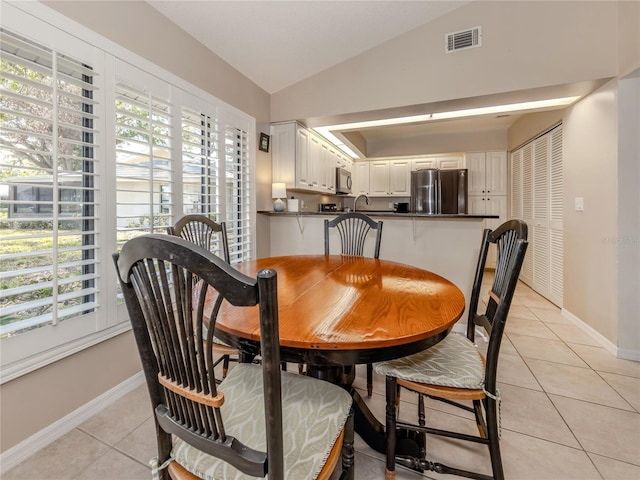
348,452
422,422
482,426
391,391
300,368
225,366
369,379
494,438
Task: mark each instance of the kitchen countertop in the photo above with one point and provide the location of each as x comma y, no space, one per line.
382,213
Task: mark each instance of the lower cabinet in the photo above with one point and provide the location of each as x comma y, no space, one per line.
489,205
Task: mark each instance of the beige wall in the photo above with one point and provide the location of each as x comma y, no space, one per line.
34,401
143,30
629,215
414,69
590,162
628,37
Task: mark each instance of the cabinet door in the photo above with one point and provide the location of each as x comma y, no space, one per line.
400,178
379,178
360,178
475,163
315,160
302,159
450,163
283,154
477,205
330,166
424,163
496,173
323,167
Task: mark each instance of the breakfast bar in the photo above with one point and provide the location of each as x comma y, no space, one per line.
447,245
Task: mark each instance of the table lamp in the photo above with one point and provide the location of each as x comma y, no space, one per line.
278,191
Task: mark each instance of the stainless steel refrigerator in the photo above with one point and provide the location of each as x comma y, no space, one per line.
439,191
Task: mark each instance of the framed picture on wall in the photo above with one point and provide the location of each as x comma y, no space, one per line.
264,142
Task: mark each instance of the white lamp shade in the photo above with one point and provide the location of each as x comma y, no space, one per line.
278,190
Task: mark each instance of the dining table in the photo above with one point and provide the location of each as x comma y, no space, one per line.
337,311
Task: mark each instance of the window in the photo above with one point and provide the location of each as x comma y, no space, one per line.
143,162
238,181
200,164
93,151
47,169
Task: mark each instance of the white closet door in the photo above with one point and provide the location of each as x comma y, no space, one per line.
541,215
556,259
516,185
527,209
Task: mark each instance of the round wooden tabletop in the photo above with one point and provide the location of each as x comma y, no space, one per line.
338,309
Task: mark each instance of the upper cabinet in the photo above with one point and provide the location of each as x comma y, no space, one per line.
303,160
390,178
360,178
487,173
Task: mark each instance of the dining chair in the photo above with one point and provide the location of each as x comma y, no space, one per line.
250,424
454,371
208,234
353,229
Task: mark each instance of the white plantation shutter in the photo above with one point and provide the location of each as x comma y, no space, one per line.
239,183
143,162
47,163
201,164
95,144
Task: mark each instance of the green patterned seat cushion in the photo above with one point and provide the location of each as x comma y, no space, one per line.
454,362
314,413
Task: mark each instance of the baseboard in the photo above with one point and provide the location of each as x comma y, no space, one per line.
607,344
50,434
627,354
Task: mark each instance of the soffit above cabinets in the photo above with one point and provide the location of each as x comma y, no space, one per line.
358,138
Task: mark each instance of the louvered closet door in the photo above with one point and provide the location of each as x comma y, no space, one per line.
556,257
527,209
541,215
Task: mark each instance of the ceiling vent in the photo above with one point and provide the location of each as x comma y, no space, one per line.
463,39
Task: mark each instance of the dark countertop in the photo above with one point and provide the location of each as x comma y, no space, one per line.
380,213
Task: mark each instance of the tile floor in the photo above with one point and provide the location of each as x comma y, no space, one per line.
570,410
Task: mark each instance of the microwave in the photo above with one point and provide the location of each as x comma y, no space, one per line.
343,181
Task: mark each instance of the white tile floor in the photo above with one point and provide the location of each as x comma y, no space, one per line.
570,410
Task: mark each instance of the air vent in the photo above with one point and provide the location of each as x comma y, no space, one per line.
463,39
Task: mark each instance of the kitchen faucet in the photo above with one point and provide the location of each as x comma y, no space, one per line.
355,202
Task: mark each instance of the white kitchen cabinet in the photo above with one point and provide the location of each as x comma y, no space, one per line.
360,178
390,178
379,178
442,162
489,205
487,173
451,163
424,163
303,160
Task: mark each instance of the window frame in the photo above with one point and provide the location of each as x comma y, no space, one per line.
32,350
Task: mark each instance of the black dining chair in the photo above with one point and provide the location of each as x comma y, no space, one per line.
208,234
259,420
353,229
454,371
